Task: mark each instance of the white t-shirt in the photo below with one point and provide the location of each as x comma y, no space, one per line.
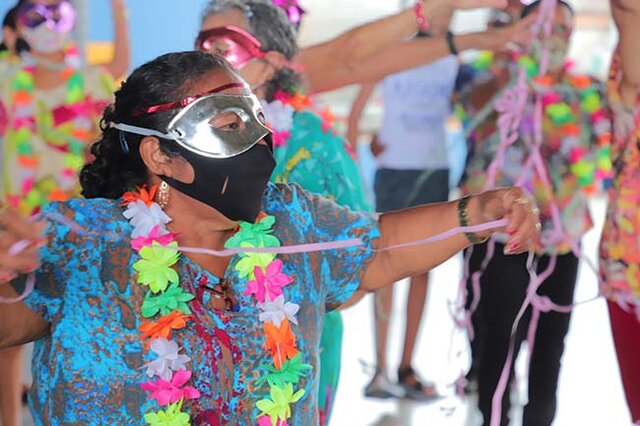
417,103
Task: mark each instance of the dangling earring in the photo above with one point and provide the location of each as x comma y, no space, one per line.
163,195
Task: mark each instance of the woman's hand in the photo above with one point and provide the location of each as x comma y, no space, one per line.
20,241
517,35
376,147
518,208
624,121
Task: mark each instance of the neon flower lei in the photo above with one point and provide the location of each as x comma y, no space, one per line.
589,172
58,129
266,280
281,110
166,309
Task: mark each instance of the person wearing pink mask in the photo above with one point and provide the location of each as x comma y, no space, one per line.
49,111
259,39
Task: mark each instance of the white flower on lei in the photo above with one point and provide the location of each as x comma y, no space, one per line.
279,115
143,218
276,311
168,361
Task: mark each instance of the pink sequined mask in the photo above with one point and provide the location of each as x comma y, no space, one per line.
235,44
60,17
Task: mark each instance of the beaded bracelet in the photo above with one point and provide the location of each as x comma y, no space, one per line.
464,220
423,24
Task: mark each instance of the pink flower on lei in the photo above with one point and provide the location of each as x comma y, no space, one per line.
168,392
266,421
268,282
280,138
157,234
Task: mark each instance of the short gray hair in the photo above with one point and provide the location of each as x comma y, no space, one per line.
269,24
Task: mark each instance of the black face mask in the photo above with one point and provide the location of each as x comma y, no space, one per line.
234,186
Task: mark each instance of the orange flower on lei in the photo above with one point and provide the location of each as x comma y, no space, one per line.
281,342
164,326
141,194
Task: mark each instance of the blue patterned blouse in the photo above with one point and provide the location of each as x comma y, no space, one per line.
88,369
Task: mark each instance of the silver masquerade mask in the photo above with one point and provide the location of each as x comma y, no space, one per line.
193,129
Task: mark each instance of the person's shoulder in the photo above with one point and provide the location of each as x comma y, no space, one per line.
86,215
283,195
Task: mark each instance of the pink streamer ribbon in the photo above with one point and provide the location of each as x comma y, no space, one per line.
20,246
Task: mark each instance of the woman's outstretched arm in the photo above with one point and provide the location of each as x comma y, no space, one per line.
122,49
422,222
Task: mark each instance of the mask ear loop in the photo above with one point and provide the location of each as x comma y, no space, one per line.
123,142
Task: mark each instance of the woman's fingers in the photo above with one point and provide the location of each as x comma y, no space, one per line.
520,32
19,227
20,241
524,221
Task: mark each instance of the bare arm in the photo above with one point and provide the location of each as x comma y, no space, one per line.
18,323
355,47
356,113
122,51
410,54
425,221
626,14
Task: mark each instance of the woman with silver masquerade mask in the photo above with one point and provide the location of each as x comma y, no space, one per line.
196,115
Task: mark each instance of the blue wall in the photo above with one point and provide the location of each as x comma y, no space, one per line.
156,26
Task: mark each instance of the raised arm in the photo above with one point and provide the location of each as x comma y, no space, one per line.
353,123
421,222
626,14
122,50
406,55
355,47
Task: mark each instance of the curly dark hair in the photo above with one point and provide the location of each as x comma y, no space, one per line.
10,21
269,24
167,78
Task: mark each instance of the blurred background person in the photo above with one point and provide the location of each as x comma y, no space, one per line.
12,46
619,245
412,169
49,112
572,129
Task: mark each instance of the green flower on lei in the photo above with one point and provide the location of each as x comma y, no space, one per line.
292,371
172,416
174,298
254,234
278,407
155,267
250,261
